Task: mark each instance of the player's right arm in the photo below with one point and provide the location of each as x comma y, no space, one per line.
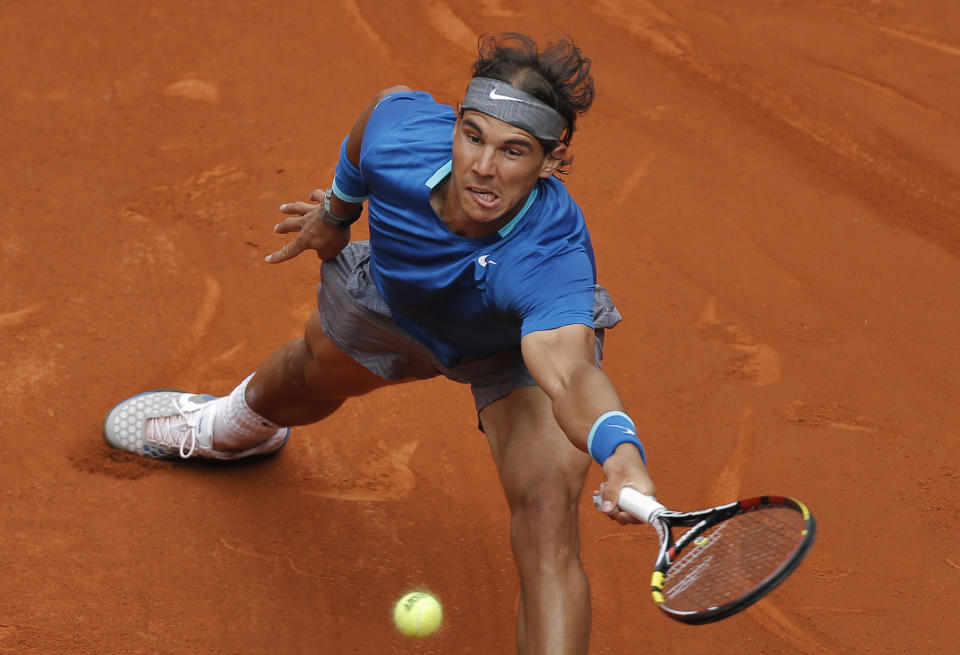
562,362
307,218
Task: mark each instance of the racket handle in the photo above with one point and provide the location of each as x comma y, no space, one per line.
644,507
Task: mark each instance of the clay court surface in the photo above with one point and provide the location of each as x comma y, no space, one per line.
773,190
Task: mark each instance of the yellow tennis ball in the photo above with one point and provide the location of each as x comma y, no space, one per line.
417,614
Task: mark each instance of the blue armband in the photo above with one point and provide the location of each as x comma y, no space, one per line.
608,432
348,180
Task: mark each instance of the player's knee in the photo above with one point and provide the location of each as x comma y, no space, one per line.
544,522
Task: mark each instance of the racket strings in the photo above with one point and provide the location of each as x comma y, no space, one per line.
732,558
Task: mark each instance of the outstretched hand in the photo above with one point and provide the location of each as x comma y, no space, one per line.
313,233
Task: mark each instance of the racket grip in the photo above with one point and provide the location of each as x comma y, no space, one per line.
644,507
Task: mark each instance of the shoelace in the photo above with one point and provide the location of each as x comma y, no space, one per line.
175,430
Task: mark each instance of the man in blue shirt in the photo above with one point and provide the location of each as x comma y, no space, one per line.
479,267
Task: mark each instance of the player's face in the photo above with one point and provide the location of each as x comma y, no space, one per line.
495,165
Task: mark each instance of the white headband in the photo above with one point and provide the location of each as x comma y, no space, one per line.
518,108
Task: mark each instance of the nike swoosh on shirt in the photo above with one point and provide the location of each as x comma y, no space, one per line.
496,96
483,260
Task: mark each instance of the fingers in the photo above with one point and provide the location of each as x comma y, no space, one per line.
608,498
286,226
290,224
609,495
318,194
293,248
313,234
300,208
289,251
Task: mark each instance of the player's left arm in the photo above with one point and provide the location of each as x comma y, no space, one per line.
562,362
327,237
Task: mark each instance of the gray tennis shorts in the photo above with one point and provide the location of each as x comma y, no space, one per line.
357,319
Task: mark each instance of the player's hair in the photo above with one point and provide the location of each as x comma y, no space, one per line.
558,75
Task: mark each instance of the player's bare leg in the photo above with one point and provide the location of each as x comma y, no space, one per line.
307,380
302,382
542,475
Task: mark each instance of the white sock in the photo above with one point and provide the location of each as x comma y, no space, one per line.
236,426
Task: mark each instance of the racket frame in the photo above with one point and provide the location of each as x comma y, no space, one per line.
700,521
650,511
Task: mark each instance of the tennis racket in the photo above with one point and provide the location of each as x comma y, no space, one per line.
731,557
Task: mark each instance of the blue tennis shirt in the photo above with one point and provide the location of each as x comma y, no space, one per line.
464,297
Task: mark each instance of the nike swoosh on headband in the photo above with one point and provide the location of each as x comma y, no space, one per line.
496,96
521,109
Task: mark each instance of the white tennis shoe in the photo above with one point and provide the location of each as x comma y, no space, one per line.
169,423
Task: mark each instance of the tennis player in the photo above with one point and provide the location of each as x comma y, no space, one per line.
479,267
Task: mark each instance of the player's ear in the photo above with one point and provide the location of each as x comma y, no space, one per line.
553,160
